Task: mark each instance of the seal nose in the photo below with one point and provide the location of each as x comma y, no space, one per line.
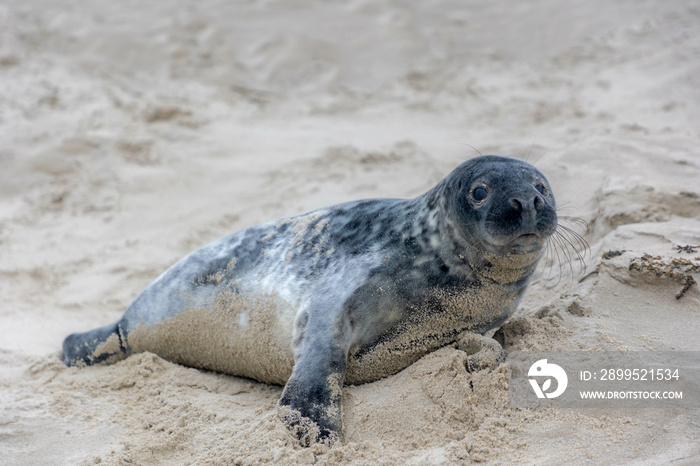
522,204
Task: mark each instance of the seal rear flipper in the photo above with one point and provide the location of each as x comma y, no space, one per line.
104,344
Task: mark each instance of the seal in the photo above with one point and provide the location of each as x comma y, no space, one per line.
346,294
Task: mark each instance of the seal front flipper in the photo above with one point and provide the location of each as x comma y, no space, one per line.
311,401
482,352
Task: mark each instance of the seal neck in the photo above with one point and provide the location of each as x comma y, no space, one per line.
509,269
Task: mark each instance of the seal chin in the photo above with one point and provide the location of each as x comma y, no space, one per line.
527,244
523,244
519,253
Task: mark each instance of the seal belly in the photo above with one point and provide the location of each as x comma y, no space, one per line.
225,308
247,335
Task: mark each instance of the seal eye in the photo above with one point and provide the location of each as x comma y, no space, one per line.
479,194
540,188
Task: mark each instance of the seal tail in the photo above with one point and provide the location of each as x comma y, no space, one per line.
104,344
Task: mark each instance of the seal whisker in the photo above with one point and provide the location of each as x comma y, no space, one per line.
581,245
560,250
571,244
477,150
568,247
562,207
577,237
554,246
574,236
540,158
550,259
567,244
576,220
527,157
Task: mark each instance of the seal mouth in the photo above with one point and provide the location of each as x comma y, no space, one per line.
526,243
528,236
516,245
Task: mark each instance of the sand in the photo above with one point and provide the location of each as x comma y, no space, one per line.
132,133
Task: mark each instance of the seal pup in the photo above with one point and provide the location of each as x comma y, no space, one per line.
346,294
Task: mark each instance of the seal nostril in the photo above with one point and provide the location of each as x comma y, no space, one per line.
519,204
539,202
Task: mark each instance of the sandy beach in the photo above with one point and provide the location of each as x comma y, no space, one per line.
132,133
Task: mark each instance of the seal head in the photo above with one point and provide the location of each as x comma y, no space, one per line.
503,206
